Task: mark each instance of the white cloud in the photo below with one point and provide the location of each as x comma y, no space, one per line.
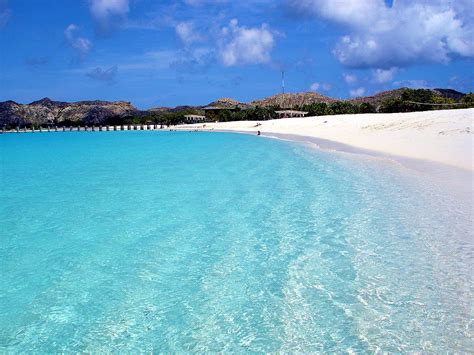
357,92
384,75
350,78
241,45
342,11
408,32
106,12
80,44
320,86
314,87
187,33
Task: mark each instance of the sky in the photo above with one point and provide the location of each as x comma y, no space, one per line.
191,52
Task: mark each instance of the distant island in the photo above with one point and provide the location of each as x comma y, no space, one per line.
47,112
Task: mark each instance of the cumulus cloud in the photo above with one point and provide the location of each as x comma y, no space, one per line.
81,45
343,11
5,13
231,45
108,13
241,45
350,78
106,75
357,92
314,87
408,32
187,33
384,75
320,86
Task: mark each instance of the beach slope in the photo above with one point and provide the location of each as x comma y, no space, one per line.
444,136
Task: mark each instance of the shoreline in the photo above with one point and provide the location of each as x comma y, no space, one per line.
438,144
444,136
458,179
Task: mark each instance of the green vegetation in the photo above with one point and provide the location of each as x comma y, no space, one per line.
365,107
423,100
317,109
250,114
468,100
336,108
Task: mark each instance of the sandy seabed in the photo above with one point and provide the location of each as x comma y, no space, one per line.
438,142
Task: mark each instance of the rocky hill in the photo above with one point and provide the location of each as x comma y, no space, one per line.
450,94
228,103
292,99
46,111
377,99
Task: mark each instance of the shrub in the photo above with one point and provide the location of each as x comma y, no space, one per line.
366,107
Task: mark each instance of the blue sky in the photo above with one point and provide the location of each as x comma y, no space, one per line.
189,52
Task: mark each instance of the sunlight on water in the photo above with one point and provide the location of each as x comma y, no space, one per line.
167,241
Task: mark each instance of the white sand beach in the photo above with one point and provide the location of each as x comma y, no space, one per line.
444,137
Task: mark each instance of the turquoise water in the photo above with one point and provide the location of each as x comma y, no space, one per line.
192,242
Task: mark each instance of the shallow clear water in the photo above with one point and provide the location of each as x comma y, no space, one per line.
174,241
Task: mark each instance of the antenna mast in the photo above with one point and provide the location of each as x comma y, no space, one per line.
282,81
